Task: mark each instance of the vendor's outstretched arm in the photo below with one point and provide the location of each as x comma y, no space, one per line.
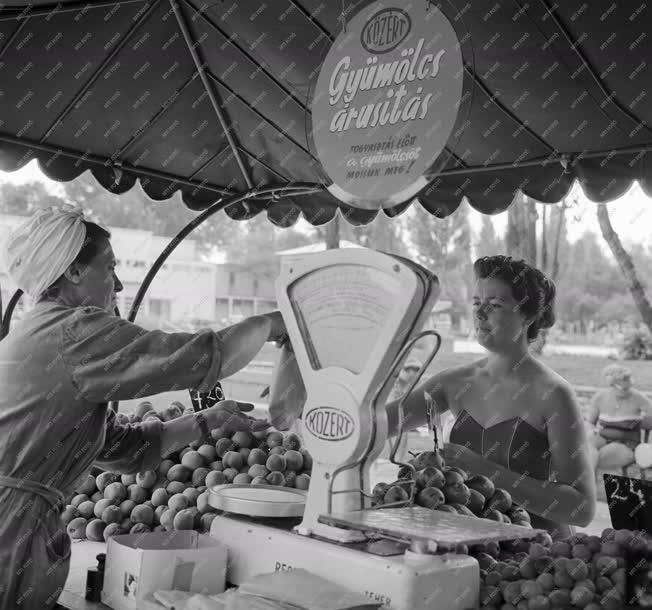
242,341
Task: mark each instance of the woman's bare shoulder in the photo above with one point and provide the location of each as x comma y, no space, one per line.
452,376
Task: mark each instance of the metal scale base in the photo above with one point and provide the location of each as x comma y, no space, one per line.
405,581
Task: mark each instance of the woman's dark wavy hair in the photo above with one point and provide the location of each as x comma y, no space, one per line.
91,248
531,289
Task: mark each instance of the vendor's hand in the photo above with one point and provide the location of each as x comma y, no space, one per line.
231,415
463,457
277,330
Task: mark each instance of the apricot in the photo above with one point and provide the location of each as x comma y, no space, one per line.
78,499
292,442
164,467
100,506
184,520
274,439
242,439
143,408
216,466
137,494
77,528
127,479
205,521
457,493
290,478
307,460
230,474
140,528
104,479
97,496
452,477
215,478
223,446
86,509
199,476
501,500
259,481
276,478
430,497
158,512
293,460
175,487
178,502
112,529
192,495
179,473
302,481
242,479
95,530
232,459
277,451
160,498
167,519
87,487
276,463
146,479
577,569
142,514
475,502
69,513
430,477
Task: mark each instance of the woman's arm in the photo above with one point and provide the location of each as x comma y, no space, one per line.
593,411
414,407
571,498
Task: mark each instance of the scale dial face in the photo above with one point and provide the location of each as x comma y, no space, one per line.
341,311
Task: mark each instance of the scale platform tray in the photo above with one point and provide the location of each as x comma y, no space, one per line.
419,523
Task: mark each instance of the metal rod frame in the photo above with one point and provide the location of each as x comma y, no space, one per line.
193,48
6,319
15,13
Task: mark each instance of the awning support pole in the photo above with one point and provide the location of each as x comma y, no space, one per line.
208,86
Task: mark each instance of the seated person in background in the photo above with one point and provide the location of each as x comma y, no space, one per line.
619,410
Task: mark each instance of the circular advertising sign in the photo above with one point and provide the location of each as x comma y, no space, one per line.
385,102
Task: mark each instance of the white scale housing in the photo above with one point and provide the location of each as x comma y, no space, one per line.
349,314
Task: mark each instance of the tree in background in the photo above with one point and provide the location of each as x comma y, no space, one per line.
443,245
626,265
521,234
488,242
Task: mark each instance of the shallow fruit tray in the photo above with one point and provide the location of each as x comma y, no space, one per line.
419,523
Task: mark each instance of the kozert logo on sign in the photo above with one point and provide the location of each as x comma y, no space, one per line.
385,31
329,424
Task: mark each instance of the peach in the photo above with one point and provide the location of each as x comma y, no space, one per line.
140,528
292,442
205,521
77,528
87,509
193,460
142,514
217,465
293,460
577,569
242,479
223,446
208,452
257,456
290,478
160,498
178,502
430,497
192,495
452,477
175,487
546,582
202,503
164,467
277,451
482,484
501,500
137,494
475,502
428,458
87,487
430,477
257,470
104,479
230,474
112,529
97,496
95,530
242,439
111,514
143,408
184,520
146,479
199,476
69,513
78,499
307,460
215,478
259,481
179,473
232,459
395,494
167,519
581,596
274,439
457,493
127,479
446,508
116,492
302,481
158,512
276,463
184,451
276,478
101,505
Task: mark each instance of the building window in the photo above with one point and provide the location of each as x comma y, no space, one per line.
243,308
160,308
221,309
127,302
265,306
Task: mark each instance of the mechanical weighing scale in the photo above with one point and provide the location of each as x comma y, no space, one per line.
352,315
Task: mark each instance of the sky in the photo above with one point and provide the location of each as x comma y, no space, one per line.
631,215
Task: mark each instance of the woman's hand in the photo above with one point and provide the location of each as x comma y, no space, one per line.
277,330
231,415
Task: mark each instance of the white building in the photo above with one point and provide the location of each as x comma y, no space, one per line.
184,288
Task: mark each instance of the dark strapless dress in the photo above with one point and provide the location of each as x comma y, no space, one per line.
514,444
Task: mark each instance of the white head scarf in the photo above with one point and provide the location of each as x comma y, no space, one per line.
42,248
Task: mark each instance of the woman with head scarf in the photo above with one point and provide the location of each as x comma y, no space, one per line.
61,365
517,422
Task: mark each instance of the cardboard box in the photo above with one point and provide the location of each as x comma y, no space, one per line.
139,564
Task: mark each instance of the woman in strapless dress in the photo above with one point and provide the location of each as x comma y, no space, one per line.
517,421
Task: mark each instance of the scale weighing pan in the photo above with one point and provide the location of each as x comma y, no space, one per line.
259,500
